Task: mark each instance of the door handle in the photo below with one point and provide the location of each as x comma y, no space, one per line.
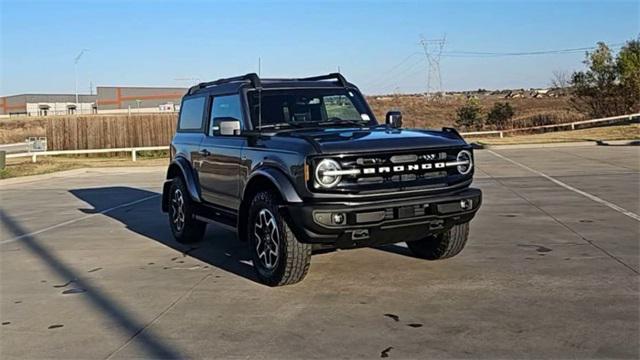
204,152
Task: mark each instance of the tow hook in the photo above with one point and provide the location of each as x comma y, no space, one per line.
436,224
360,234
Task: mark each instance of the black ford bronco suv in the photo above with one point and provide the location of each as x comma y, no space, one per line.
300,164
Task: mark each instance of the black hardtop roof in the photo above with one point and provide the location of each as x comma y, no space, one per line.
235,83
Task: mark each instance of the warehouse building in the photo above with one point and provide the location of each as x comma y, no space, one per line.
46,104
109,99
138,99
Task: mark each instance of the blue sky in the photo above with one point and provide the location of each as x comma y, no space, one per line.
148,43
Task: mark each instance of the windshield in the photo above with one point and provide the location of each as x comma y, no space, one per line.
309,107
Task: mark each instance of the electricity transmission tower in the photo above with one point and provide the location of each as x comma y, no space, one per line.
432,51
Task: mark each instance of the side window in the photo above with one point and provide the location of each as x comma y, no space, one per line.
225,108
191,113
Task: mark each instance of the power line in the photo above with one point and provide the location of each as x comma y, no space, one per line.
390,76
405,73
396,84
391,70
523,53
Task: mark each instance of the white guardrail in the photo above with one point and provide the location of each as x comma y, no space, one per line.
134,152
572,125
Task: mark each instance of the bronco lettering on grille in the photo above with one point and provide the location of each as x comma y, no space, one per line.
402,168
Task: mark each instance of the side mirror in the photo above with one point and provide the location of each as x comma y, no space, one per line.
394,119
225,126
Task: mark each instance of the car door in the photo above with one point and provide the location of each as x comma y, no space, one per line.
219,170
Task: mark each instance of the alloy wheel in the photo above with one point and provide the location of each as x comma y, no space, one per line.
267,238
177,210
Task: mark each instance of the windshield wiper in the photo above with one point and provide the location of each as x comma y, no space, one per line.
342,122
277,125
302,124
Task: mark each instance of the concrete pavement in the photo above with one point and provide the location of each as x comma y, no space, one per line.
89,270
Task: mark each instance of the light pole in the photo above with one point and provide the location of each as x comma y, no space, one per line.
75,70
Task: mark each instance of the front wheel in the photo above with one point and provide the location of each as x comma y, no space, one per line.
278,257
443,245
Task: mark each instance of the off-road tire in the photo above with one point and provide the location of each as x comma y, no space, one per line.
192,230
293,258
443,245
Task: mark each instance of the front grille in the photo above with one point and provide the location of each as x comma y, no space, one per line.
418,169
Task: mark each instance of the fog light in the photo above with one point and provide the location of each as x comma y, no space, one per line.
338,218
466,204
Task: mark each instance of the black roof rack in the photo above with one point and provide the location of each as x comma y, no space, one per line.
252,77
256,82
337,76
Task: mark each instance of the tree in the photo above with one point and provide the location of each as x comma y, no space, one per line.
608,87
560,79
468,115
500,115
628,66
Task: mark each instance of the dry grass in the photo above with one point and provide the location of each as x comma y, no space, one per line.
15,130
621,132
24,167
422,113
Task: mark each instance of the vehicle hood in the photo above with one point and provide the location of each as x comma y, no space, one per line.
338,140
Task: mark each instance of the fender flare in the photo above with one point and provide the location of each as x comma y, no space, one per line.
279,180
185,170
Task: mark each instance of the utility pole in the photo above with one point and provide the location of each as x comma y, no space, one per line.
259,66
75,69
432,51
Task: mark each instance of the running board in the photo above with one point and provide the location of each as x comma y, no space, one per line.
216,216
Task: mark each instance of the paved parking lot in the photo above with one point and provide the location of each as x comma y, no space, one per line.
89,270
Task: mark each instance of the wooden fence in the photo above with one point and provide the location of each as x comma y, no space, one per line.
110,131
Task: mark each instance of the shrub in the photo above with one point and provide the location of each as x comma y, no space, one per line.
500,115
469,115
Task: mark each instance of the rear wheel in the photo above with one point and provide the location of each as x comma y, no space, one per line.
185,227
278,257
443,245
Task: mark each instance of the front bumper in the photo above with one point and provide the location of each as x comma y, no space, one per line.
381,222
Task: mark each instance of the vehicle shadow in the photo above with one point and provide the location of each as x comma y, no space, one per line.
220,247
397,249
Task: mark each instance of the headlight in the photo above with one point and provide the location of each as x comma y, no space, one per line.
323,171
465,161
